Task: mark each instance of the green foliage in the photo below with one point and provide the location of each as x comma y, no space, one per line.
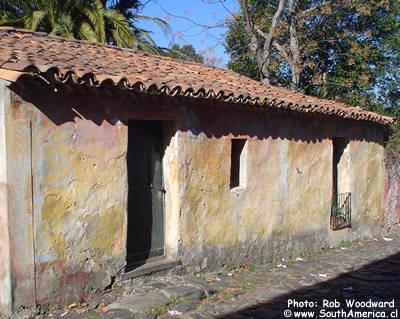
393,136
78,299
110,22
350,67
250,268
236,45
174,298
186,52
304,255
336,211
350,51
344,243
159,310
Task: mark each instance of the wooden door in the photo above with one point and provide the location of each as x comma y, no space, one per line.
145,238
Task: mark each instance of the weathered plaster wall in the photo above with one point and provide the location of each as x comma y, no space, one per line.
18,135
285,207
69,151
73,143
80,205
367,186
5,258
73,235
391,220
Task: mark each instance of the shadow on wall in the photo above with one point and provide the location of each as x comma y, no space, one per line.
112,105
378,281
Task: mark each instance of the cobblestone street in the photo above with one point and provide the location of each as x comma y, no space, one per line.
360,271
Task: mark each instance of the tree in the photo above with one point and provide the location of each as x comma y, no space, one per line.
388,81
81,19
352,68
319,47
348,51
186,52
241,60
130,10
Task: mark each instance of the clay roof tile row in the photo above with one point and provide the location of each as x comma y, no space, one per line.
94,64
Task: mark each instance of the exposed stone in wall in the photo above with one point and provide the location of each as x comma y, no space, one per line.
391,220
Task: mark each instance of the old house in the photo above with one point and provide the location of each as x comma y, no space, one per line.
111,158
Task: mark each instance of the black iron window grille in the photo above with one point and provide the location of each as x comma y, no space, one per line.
341,211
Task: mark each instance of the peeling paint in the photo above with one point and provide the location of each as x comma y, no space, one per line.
109,232
79,174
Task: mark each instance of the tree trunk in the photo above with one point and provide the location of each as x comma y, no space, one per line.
263,66
262,52
294,85
294,50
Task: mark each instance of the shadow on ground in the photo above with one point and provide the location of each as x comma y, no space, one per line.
377,281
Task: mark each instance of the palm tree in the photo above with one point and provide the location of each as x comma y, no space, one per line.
129,9
80,19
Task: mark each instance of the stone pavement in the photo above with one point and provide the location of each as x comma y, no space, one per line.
360,271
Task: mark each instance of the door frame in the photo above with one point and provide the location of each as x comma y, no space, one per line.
129,259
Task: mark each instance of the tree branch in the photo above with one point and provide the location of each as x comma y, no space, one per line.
283,51
314,8
274,22
249,27
262,55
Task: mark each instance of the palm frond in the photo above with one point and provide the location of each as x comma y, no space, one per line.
64,27
121,32
95,14
86,32
52,12
146,43
7,18
32,21
121,41
161,23
145,35
84,19
18,5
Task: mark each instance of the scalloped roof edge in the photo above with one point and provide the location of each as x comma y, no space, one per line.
79,62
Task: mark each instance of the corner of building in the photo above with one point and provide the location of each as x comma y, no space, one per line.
5,260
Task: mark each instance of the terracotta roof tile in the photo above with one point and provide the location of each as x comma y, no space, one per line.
92,64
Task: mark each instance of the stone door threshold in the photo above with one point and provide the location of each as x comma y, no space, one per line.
151,266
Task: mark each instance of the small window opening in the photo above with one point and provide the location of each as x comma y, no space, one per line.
341,197
238,163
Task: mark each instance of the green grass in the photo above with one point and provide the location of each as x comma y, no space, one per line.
77,299
159,310
174,298
304,255
245,286
344,243
251,268
210,297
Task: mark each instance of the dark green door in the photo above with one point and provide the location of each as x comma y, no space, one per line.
145,238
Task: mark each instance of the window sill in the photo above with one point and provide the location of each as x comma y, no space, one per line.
237,189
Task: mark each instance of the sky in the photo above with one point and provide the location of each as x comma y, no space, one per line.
189,21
